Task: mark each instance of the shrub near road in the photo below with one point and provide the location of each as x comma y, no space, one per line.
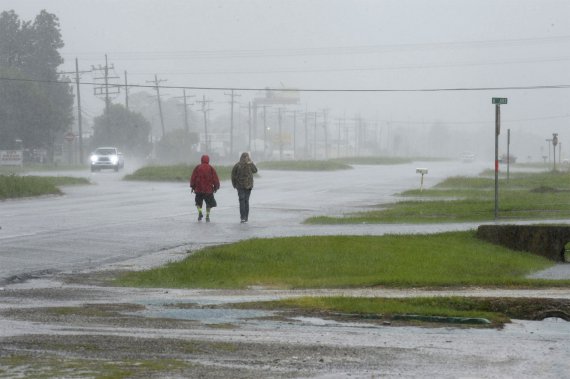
12,186
174,173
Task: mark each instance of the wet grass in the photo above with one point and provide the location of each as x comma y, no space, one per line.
444,309
304,165
386,308
437,260
28,167
543,195
13,186
173,173
53,366
107,356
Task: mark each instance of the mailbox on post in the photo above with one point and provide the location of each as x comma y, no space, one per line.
421,171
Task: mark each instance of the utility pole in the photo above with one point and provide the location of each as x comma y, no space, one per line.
205,111
79,122
357,136
186,125
315,138
265,130
340,121
325,127
497,101
249,126
126,92
156,83
508,154
306,134
554,143
232,95
185,105
79,118
280,119
295,134
104,88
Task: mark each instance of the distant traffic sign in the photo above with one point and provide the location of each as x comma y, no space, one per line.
499,100
69,136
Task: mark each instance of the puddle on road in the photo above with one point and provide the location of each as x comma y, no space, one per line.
187,311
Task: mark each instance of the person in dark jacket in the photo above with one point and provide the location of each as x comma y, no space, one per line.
242,180
204,182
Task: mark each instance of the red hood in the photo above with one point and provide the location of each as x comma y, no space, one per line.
205,159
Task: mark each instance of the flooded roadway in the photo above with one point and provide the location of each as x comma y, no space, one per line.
116,224
114,220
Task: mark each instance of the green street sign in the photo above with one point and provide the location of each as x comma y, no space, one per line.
499,100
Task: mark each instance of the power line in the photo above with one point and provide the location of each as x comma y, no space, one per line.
450,89
419,66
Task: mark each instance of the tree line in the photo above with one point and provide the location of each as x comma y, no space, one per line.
36,101
34,107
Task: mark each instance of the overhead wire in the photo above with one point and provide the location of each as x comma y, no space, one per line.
364,90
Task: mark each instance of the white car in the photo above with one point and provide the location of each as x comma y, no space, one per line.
107,157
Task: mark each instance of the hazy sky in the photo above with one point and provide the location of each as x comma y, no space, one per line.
336,44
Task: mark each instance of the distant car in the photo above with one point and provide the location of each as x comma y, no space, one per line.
107,157
507,159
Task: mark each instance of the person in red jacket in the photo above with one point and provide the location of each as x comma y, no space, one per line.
204,182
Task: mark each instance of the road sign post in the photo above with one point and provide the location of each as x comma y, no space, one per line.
497,101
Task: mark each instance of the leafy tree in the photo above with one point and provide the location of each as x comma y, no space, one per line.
124,129
36,102
177,146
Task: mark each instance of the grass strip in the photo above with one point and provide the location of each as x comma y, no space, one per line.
447,309
28,167
174,173
436,260
13,186
543,195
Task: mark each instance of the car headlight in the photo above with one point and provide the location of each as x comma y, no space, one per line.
94,158
114,159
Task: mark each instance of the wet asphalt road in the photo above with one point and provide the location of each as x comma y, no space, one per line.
114,220
113,224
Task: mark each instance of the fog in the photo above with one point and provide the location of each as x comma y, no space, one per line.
407,77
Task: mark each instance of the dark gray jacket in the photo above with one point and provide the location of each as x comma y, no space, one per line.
242,173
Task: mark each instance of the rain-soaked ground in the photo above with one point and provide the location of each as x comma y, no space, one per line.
56,253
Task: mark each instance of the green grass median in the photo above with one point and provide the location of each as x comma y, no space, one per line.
13,186
173,173
438,260
543,195
444,309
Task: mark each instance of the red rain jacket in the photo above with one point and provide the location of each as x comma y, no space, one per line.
204,178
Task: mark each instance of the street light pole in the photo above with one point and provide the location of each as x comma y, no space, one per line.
554,143
497,101
497,132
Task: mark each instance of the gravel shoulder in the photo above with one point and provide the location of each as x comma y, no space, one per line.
74,325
